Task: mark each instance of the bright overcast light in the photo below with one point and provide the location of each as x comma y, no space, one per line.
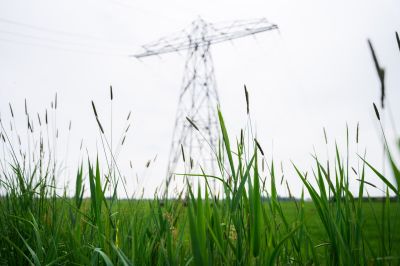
315,72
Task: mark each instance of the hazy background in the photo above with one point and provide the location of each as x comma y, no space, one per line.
316,72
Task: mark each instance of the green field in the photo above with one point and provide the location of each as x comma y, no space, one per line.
54,232
372,226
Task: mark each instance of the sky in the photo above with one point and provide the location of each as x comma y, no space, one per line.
315,72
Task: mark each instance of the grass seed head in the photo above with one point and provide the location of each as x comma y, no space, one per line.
11,110
381,73
183,153
357,132
100,126
241,138
193,124
366,182
39,121
247,99
326,139
55,102
259,147
94,109
30,125
354,170
377,112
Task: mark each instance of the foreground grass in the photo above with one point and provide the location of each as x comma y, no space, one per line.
144,229
372,226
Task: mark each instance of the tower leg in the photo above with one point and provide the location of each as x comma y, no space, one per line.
198,100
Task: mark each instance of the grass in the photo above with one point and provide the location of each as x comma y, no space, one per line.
247,224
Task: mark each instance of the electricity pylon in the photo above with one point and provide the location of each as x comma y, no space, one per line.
198,99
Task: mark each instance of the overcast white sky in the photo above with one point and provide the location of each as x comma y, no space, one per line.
317,72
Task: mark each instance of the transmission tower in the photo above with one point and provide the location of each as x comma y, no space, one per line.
198,98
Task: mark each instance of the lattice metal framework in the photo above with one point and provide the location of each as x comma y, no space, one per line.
198,98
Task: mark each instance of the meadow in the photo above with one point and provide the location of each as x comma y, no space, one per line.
248,224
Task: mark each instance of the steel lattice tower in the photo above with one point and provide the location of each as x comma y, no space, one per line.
198,99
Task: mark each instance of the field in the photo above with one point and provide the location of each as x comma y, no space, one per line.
150,232
248,224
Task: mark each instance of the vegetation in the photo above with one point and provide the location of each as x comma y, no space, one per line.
246,225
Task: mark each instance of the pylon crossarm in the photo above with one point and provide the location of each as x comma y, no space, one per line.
216,33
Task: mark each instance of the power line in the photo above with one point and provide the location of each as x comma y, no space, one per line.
51,30
54,47
39,38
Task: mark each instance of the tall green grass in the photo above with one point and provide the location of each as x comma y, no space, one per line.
246,223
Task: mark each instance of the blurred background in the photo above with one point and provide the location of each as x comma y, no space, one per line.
315,72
